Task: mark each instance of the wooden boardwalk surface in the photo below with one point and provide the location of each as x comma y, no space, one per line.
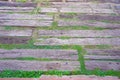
72,22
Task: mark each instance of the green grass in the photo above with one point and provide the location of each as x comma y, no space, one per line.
37,74
71,28
21,0
27,58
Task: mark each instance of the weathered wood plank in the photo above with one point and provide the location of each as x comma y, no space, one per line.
109,52
54,10
104,11
14,40
69,5
103,65
25,17
15,33
88,23
26,9
100,1
85,17
17,8
39,65
40,53
80,5
101,57
17,4
102,54
80,33
23,23
76,10
78,41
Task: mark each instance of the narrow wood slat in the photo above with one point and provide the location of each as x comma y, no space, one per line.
78,41
102,54
14,40
103,65
13,33
17,8
25,16
23,23
39,65
80,33
40,53
109,52
54,10
85,17
80,5
104,11
76,10
86,23
69,5
26,9
99,1
17,4
101,57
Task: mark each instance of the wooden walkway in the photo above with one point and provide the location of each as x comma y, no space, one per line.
94,25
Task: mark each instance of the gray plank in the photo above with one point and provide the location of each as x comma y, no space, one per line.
88,23
80,5
39,65
27,32
53,10
69,5
40,53
109,52
104,11
17,8
101,57
80,33
25,17
103,65
100,6
99,1
91,17
76,10
17,4
14,40
78,41
26,9
29,23
78,77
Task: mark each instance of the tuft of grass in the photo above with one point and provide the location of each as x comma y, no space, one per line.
27,58
55,27
37,74
21,0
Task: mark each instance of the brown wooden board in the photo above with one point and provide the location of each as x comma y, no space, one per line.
25,23
79,33
39,65
78,41
13,33
103,65
40,53
88,23
14,40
